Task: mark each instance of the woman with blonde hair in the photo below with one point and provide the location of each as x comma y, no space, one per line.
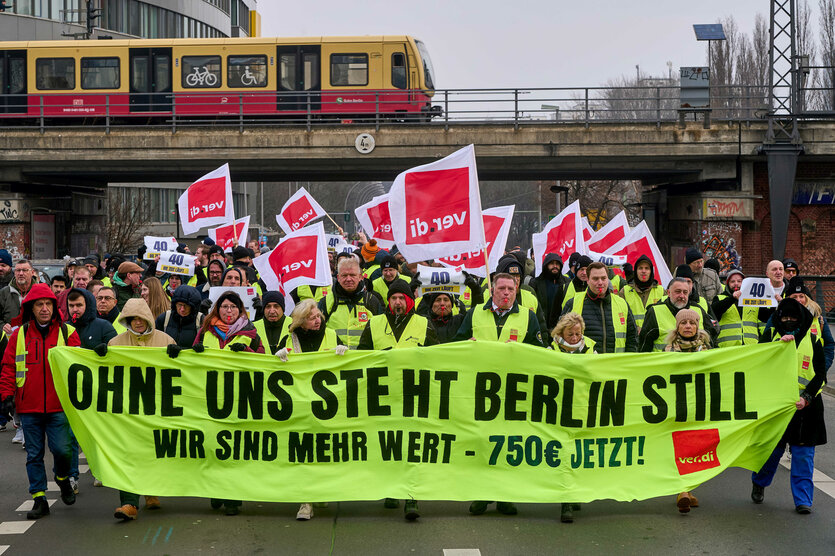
687,337
155,296
569,335
308,333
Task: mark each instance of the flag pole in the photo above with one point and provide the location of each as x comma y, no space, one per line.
338,227
487,267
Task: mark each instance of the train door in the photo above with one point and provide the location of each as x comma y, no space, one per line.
396,76
299,72
13,81
150,80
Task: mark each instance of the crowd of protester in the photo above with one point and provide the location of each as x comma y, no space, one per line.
373,304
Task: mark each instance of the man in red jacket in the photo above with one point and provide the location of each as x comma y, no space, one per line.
26,384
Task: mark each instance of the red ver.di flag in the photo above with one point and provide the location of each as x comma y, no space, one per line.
615,230
436,208
563,235
496,229
299,258
225,236
375,219
207,202
300,210
640,242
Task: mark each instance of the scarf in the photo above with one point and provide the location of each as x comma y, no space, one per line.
571,348
696,343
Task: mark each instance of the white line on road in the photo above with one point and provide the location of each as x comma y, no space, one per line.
15,527
823,482
83,468
29,504
3,548
462,552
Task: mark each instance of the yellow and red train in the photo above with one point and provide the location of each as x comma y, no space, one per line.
321,76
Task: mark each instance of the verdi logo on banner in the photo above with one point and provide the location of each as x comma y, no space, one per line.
474,420
381,221
207,199
451,221
290,266
299,213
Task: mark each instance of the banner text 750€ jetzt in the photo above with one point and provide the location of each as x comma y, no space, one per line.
465,421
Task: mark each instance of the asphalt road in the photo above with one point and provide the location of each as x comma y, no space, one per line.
725,523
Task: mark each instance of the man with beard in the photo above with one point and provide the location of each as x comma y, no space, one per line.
214,276
642,290
6,273
707,281
609,321
399,326
349,305
684,271
661,317
550,287
275,324
737,325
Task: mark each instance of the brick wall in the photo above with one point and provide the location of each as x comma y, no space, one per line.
811,237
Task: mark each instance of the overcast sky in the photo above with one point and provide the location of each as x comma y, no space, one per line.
524,43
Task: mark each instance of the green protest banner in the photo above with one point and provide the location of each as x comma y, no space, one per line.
464,421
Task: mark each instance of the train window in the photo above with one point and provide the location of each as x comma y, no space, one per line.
349,69
398,70
201,72
246,71
55,74
100,73
17,76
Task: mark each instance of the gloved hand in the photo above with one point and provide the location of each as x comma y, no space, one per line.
282,354
7,407
341,350
101,350
237,347
199,348
472,282
173,350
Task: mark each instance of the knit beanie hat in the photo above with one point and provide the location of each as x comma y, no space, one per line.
692,254
684,271
369,250
688,314
5,257
400,286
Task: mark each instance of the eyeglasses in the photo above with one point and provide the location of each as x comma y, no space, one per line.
104,297
226,307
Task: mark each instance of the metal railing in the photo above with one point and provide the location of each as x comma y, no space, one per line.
822,289
449,107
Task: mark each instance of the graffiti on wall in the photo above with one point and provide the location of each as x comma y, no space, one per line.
719,240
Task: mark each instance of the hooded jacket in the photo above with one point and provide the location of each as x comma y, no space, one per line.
150,338
37,395
807,426
550,290
643,290
650,331
183,330
92,330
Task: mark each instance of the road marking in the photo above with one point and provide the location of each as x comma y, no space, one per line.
3,548
462,552
29,504
823,482
15,527
82,468
52,486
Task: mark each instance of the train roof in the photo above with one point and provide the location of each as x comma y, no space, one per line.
145,43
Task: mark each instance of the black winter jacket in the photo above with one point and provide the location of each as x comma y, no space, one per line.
182,329
92,330
550,291
597,314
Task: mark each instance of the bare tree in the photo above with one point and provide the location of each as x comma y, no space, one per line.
824,77
128,214
600,200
